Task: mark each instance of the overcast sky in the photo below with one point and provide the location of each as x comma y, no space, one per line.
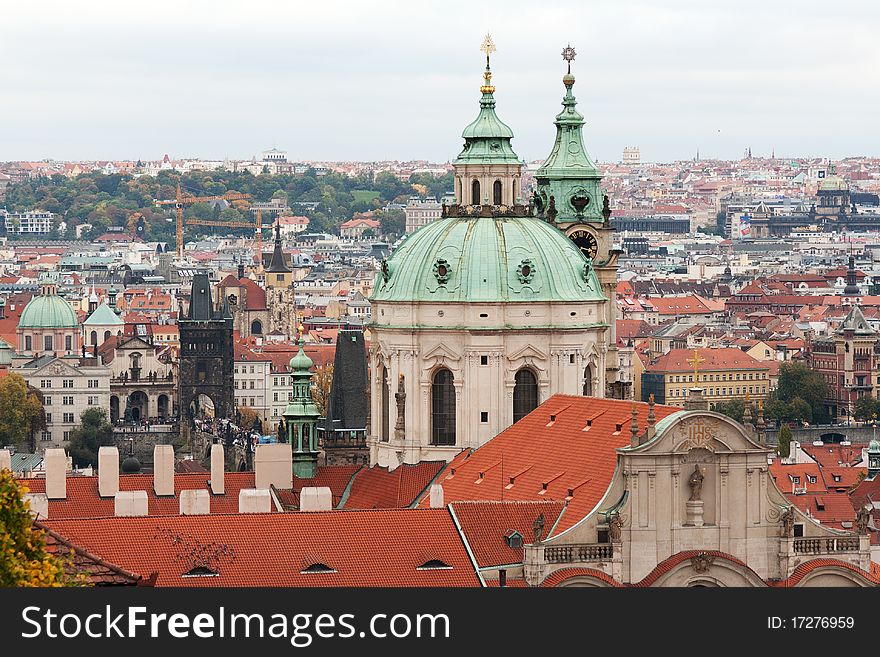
383,79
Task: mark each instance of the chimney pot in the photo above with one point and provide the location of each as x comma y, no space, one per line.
217,472
5,459
108,471
55,461
437,496
130,503
316,499
254,500
273,466
163,470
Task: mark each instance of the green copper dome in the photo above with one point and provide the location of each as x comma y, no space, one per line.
48,311
301,362
487,260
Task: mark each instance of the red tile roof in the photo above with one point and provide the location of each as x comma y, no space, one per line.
724,358
486,526
364,548
96,571
83,500
559,577
565,448
377,488
675,560
806,568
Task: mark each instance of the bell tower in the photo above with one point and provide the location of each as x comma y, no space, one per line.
569,195
301,418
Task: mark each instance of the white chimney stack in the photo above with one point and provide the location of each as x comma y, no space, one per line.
437,496
316,499
108,471
254,500
217,472
5,459
163,470
195,502
55,463
130,503
39,505
273,466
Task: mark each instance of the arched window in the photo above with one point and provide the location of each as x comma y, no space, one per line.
256,327
386,410
28,345
475,192
68,343
525,394
106,335
94,337
442,408
48,343
496,192
588,381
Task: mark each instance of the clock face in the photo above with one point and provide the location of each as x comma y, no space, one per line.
586,242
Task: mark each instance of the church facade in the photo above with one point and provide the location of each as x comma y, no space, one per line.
480,316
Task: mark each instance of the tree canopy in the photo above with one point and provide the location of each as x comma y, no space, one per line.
21,410
24,560
93,433
110,200
802,391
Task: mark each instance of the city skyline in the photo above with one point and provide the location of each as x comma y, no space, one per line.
206,81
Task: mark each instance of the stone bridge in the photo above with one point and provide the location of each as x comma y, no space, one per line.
827,433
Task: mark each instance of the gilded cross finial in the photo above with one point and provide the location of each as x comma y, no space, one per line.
568,54
488,47
695,361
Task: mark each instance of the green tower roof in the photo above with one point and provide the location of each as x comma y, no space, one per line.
487,138
487,259
103,315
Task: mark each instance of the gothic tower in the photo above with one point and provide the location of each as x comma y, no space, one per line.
569,195
206,357
280,291
301,418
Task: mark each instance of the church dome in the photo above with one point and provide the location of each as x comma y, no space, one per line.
48,311
475,259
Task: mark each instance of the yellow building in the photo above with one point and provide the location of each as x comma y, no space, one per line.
723,374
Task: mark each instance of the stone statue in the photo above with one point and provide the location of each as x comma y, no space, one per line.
282,438
787,520
863,516
551,209
615,524
538,528
696,483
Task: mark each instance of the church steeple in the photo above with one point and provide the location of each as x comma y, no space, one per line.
487,171
568,174
301,417
277,264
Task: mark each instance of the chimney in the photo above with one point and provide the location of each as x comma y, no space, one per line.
108,471
254,500
195,502
39,505
130,502
163,470
5,459
437,496
502,578
273,466
316,499
695,400
217,474
55,463
634,427
240,271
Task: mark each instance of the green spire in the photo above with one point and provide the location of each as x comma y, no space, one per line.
301,417
568,174
487,138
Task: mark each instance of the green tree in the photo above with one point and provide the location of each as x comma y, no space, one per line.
866,408
732,408
799,410
24,560
392,224
19,410
776,409
94,432
783,441
796,380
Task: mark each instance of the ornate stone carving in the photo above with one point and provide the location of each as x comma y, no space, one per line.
702,562
698,432
615,525
787,520
538,528
695,481
863,517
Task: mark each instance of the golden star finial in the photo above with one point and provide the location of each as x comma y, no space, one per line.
488,46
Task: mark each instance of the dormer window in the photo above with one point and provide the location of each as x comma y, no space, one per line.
514,539
317,568
201,571
434,564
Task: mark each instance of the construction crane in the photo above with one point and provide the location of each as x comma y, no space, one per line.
257,226
182,200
